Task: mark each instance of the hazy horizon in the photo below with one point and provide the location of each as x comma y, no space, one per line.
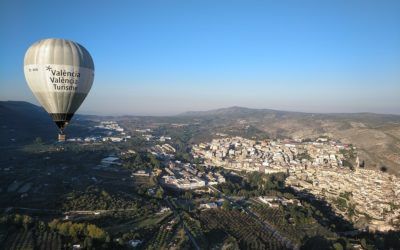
206,110
165,58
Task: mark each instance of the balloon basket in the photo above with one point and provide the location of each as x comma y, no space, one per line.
61,137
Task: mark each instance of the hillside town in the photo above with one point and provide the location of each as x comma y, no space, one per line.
366,197
370,199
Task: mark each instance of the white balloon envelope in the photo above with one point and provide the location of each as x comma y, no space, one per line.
60,74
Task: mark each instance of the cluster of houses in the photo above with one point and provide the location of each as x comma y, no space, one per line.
147,134
164,150
269,156
185,176
375,196
113,133
316,167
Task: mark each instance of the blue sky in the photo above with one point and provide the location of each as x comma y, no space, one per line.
166,57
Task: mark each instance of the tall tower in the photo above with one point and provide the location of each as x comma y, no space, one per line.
357,163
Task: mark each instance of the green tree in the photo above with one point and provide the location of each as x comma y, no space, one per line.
54,224
41,226
231,244
160,193
338,246
63,228
26,221
38,140
347,163
88,243
95,232
18,219
138,160
226,205
188,195
105,194
153,161
76,229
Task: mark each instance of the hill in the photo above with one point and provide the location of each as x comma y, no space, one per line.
23,122
234,111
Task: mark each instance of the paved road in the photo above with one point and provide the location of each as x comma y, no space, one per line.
267,227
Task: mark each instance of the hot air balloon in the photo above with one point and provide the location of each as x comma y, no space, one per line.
60,74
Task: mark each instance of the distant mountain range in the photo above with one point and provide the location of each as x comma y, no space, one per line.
377,136
243,112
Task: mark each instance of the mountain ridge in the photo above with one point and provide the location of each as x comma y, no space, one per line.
241,109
